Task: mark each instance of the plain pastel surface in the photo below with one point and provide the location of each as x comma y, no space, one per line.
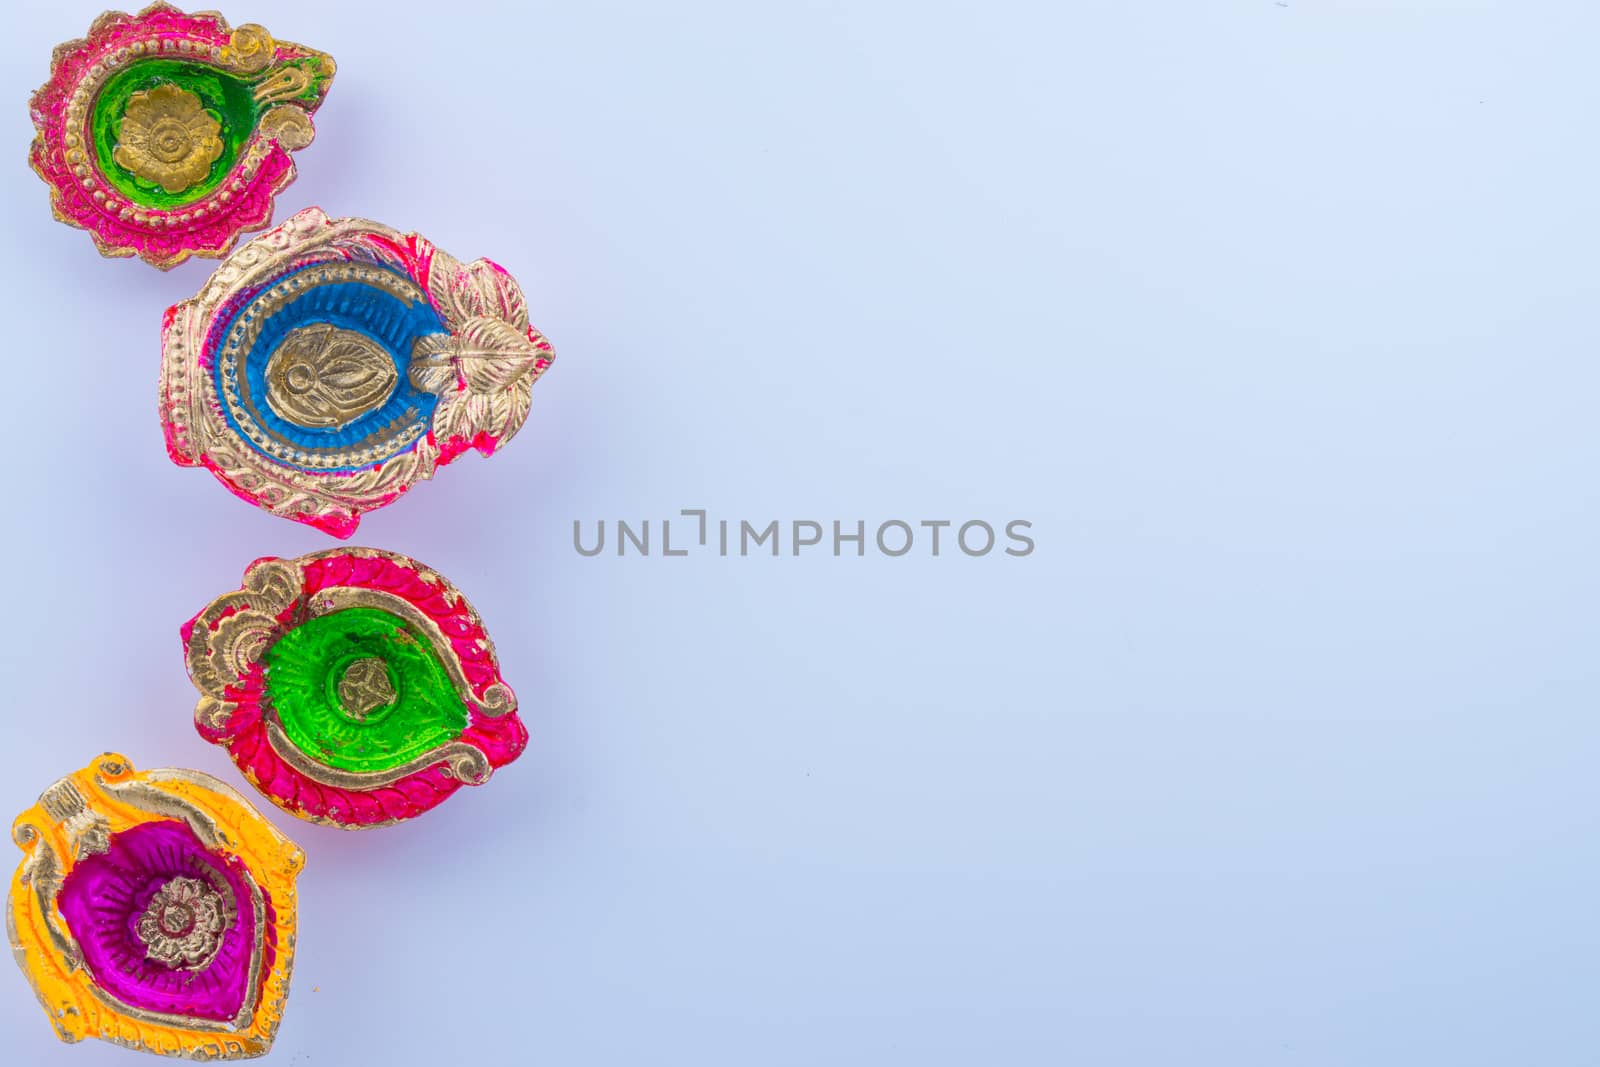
1275,319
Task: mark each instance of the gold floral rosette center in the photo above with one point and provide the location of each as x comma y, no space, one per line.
168,137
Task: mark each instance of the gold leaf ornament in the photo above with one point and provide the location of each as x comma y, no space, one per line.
325,376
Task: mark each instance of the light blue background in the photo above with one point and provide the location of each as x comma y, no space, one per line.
1276,320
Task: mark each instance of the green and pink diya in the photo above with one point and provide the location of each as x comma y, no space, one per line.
167,135
352,687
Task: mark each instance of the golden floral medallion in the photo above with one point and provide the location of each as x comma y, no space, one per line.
168,137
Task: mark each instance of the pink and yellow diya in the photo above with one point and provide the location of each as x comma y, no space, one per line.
167,135
353,687
155,910
330,364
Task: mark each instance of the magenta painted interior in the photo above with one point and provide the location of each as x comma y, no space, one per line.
104,895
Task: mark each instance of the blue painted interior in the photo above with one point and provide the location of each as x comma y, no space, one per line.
389,321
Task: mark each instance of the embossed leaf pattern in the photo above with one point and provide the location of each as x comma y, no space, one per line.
483,289
501,295
445,286
431,365
347,367
516,402
459,414
492,356
326,376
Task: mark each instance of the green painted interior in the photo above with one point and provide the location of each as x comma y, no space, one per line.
303,671
228,99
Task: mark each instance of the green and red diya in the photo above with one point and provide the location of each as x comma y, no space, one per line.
167,135
353,687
